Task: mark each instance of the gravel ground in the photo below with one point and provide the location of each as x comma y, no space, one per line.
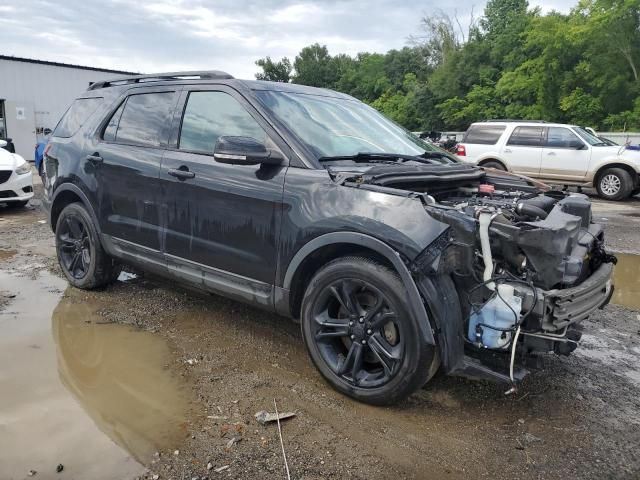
578,418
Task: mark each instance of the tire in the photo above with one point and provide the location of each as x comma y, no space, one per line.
614,184
80,254
494,164
360,334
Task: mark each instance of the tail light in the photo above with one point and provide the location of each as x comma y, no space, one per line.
46,150
461,151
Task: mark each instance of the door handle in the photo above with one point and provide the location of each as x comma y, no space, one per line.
95,158
507,150
551,153
181,174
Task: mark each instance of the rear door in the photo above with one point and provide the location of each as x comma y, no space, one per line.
127,161
523,150
565,156
222,220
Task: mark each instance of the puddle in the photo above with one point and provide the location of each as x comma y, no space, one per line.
95,397
626,278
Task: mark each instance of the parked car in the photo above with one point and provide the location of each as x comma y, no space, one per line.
397,260
16,181
554,153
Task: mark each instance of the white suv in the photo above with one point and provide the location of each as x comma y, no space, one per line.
553,153
16,183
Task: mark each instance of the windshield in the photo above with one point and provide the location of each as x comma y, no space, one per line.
338,127
590,138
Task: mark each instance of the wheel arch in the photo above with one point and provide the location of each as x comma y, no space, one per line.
484,161
66,194
327,247
628,168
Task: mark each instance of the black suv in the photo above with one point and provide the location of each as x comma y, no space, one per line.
397,260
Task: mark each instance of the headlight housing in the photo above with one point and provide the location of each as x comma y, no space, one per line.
24,168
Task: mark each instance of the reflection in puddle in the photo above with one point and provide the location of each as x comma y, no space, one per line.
117,375
626,278
94,397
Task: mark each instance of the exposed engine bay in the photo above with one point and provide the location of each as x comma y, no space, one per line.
528,263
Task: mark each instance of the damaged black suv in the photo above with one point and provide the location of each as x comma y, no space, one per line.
398,261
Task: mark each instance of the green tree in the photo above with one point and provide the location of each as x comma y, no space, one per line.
315,67
274,71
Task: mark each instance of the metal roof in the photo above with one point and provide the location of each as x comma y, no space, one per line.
159,77
65,65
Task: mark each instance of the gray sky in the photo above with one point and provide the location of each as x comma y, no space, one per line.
165,35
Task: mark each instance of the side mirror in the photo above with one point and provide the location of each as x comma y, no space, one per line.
577,145
244,151
3,143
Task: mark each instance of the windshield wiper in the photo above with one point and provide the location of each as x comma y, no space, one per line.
368,157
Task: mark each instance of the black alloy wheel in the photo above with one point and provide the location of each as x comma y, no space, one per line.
80,254
358,333
74,246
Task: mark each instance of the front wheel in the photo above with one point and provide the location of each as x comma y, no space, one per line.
614,184
360,333
80,254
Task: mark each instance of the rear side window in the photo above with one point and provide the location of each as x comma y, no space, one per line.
143,118
483,134
112,126
210,115
526,136
78,113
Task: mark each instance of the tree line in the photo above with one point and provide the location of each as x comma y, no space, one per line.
511,62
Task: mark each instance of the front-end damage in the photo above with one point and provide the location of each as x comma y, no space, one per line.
528,265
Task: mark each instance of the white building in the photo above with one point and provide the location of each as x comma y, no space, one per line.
34,94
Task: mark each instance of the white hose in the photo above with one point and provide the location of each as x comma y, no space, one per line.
513,353
485,220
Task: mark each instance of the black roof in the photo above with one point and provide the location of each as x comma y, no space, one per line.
66,65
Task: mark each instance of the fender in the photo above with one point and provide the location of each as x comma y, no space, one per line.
71,187
415,300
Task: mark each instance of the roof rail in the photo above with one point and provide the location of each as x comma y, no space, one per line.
514,120
159,77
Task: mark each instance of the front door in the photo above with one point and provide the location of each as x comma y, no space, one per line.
523,150
222,220
565,156
127,160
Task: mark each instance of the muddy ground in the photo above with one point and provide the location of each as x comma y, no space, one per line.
144,379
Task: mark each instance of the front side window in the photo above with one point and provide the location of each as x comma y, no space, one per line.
78,113
483,134
559,137
211,115
143,118
526,136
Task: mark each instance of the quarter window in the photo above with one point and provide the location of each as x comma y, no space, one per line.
143,119
210,115
559,137
526,136
112,126
483,134
78,113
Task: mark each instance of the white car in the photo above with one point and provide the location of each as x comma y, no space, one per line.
16,181
553,153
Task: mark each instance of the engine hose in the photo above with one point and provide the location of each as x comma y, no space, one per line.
513,354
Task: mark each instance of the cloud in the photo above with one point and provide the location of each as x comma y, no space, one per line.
164,35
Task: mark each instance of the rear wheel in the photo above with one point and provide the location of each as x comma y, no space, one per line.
494,164
80,254
361,335
614,184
